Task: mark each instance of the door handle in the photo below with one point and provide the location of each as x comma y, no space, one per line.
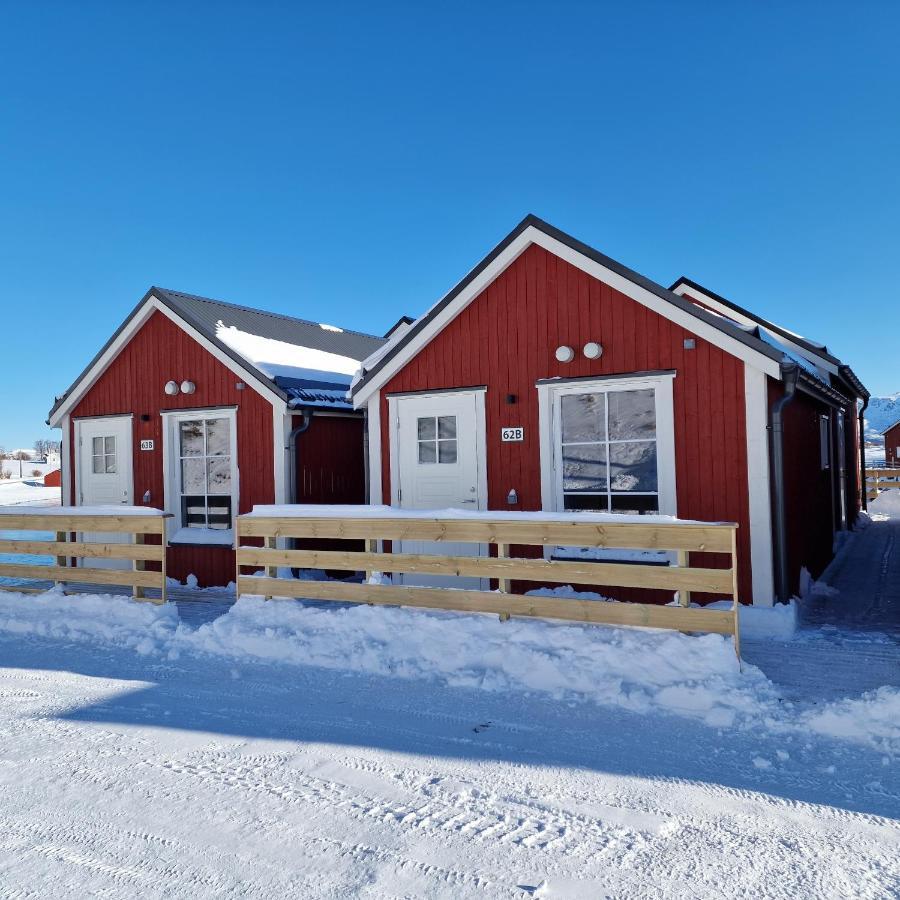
472,500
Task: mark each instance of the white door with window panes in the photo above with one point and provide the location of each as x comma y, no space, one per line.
613,447
202,493
104,475
437,440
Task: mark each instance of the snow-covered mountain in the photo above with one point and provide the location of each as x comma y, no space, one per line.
880,413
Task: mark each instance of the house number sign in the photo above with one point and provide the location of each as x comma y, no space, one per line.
146,445
516,433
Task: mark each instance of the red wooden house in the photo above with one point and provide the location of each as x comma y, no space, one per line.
205,409
554,378
892,445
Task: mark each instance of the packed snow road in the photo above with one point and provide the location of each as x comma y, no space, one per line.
127,773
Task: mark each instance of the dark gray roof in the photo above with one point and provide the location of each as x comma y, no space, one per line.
278,327
726,326
204,314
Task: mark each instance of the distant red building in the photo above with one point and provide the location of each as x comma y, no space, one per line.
892,445
53,479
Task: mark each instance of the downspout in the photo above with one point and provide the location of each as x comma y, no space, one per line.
863,490
790,372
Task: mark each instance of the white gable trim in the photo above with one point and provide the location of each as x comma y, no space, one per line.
692,293
152,304
758,487
533,235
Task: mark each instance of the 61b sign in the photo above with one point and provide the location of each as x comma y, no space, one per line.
516,433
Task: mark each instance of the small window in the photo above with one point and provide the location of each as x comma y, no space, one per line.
103,455
824,442
436,437
205,473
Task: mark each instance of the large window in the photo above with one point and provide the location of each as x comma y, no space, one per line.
205,473
608,445
608,451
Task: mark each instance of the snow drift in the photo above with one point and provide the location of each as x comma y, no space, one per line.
641,670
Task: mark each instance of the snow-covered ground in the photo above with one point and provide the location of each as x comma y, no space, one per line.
284,750
324,750
28,492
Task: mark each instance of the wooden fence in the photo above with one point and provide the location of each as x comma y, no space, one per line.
493,529
880,479
69,545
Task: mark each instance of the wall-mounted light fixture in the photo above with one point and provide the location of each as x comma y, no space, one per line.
593,350
171,388
188,387
565,354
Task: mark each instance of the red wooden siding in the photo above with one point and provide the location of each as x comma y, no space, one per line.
330,460
53,479
133,384
506,339
891,443
330,468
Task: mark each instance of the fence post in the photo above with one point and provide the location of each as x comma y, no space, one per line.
736,605
503,584
684,597
164,587
271,571
137,565
62,537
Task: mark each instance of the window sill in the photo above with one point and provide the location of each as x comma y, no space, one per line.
202,537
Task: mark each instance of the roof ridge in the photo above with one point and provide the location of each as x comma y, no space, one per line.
261,312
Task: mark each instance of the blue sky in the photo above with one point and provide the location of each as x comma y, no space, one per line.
349,162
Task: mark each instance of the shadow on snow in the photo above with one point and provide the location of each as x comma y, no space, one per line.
293,703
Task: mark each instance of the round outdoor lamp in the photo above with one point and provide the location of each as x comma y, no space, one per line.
565,354
188,387
171,388
593,350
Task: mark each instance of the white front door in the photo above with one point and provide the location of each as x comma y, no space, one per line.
104,468
438,442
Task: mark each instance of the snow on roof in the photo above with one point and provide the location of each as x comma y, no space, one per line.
329,398
391,512
107,510
276,358
775,341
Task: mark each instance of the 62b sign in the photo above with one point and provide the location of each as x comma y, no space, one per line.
516,433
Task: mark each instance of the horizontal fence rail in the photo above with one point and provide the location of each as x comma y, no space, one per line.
881,478
70,546
681,539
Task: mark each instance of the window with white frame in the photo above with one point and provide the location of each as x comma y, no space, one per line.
204,471
613,446
436,438
103,455
608,451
